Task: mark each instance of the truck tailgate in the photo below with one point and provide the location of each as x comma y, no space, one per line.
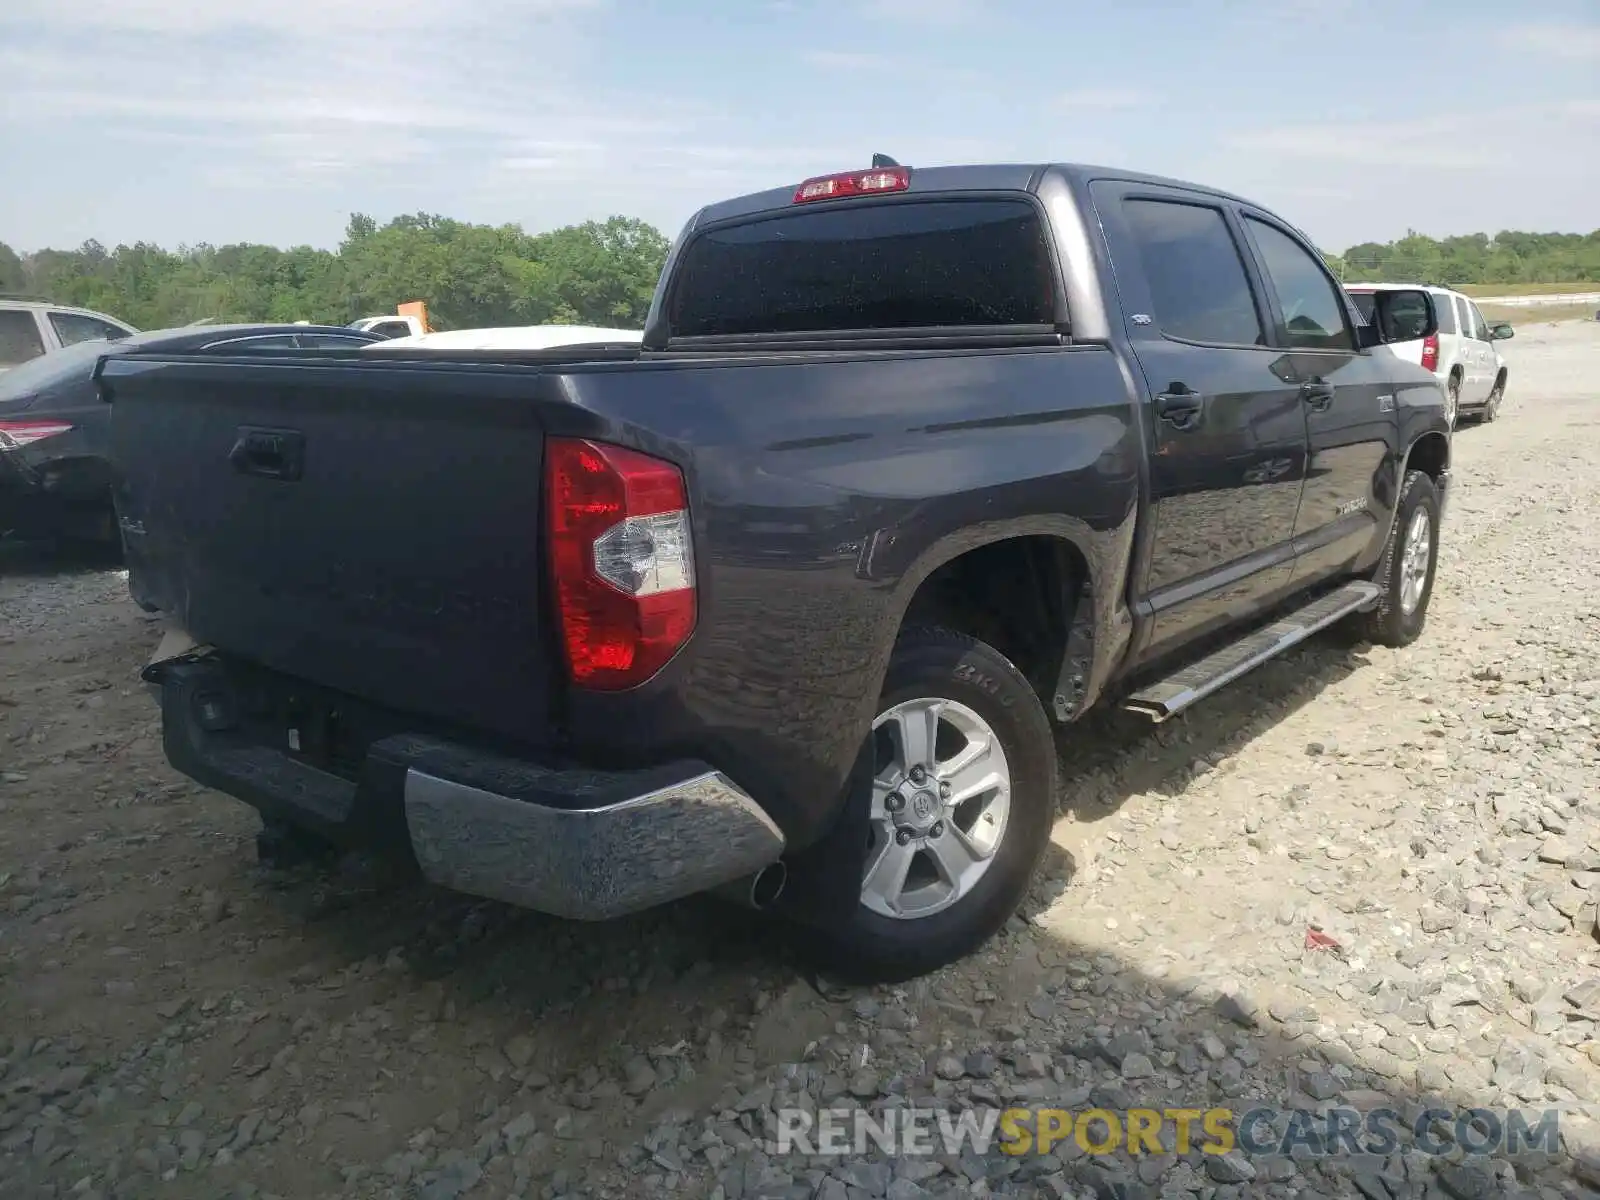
374,531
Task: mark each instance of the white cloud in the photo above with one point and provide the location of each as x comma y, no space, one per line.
1580,42
846,60
869,70
926,12
1496,167
302,19
1107,99
1509,138
526,109
309,92
1438,144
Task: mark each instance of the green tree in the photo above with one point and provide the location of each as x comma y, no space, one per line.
13,274
469,275
599,272
1506,258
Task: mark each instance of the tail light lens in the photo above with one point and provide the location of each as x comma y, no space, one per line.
622,559
16,434
853,183
1430,352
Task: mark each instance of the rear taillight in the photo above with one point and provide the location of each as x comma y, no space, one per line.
622,560
853,183
15,434
1430,352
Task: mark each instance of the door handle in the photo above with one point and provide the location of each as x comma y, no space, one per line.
270,453
1182,410
1318,395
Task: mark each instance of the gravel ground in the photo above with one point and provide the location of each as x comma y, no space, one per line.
1356,877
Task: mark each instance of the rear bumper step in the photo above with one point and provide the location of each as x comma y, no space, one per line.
1170,696
588,845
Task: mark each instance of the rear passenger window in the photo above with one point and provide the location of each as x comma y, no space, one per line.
19,337
73,328
245,345
1197,280
1464,318
331,341
1313,314
1445,312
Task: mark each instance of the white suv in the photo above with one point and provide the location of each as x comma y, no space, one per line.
1445,332
30,328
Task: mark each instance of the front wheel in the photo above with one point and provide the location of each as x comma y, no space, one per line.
963,801
1492,409
1407,569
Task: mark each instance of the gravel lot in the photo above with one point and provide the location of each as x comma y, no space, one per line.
176,1021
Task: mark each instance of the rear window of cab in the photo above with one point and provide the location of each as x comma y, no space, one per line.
901,264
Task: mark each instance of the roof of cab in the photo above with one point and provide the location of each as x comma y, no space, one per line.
1363,285
994,177
206,334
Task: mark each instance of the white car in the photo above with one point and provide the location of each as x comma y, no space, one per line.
392,326
522,337
30,328
1459,350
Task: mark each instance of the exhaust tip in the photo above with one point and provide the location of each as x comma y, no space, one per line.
768,885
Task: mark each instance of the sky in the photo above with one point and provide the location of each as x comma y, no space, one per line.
185,121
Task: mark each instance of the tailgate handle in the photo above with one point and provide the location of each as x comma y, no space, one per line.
270,453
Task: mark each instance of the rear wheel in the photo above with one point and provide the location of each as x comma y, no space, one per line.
1452,401
963,800
91,533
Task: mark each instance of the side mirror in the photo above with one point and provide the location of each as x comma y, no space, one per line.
1368,337
1401,315
1500,332
1408,316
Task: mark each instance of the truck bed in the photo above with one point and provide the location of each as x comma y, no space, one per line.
374,530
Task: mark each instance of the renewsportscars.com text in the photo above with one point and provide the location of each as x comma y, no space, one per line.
853,1132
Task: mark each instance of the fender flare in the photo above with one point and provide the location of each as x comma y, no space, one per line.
1096,623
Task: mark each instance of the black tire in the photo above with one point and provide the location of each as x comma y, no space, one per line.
92,536
1454,390
282,846
871,947
1491,410
1389,624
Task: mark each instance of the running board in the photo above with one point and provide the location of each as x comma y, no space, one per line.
1170,696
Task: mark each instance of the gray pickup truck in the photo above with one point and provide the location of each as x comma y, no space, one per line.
911,464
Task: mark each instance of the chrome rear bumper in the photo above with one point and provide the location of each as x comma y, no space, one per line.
589,864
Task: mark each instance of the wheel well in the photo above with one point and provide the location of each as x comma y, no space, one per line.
1430,455
1500,378
1456,371
1017,594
